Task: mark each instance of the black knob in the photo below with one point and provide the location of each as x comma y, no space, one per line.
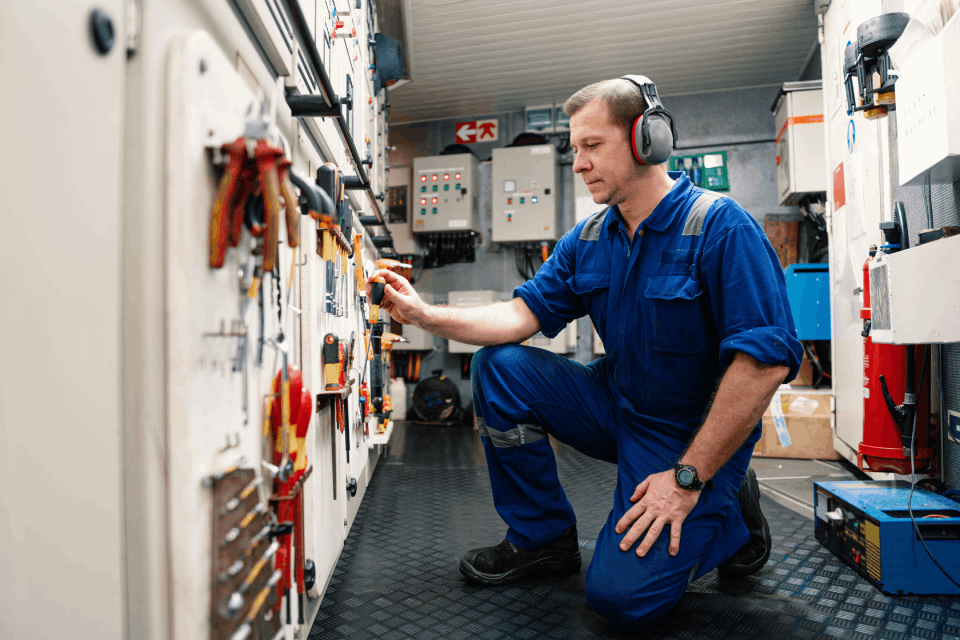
352,487
309,574
101,28
282,529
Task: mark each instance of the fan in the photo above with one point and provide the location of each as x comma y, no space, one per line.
437,399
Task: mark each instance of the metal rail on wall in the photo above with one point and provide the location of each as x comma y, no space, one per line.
299,106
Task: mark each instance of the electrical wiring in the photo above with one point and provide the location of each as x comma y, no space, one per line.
913,478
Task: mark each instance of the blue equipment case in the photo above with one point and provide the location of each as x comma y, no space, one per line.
867,525
808,289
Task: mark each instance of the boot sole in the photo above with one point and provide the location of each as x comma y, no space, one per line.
553,566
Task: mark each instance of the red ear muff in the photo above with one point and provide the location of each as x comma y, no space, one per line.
635,134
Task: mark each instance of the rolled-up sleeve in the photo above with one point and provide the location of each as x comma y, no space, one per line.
548,295
748,298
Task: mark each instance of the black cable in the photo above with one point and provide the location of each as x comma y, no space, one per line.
929,202
913,473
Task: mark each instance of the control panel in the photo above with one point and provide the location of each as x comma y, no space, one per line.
445,193
526,205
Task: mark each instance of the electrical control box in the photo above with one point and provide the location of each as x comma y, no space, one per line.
914,297
808,289
801,157
564,342
469,299
526,205
444,194
416,338
397,212
868,526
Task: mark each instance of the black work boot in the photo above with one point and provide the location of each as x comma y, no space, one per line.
507,563
756,552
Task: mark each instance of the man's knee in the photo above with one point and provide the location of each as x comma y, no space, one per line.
629,606
502,358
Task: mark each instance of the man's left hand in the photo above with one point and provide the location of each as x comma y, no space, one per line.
658,502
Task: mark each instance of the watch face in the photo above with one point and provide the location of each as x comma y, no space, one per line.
685,477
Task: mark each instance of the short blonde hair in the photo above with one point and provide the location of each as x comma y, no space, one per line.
622,96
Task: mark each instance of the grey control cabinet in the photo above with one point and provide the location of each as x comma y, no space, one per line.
445,193
526,205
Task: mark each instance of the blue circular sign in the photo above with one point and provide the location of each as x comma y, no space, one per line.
851,136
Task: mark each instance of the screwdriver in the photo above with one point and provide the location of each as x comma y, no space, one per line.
376,297
331,361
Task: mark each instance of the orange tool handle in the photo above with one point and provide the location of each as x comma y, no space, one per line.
331,362
223,202
376,297
292,205
267,169
358,261
248,179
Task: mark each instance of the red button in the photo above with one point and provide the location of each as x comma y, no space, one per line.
434,178
434,201
457,176
423,178
446,176
423,201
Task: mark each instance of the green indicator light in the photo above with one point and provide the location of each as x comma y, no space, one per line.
434,187
434,209
446,187
423,189
458,186
423,212
521,200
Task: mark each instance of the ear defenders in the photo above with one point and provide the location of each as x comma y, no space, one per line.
654,134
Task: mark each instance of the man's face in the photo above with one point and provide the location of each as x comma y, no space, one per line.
604,155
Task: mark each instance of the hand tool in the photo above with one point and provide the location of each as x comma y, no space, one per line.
376,297
342,355
233,503
248,187
358,262
234,533
325,244
291,203
235,601
266,156
220,217
231,571
285,437
331,361
303,424
244,630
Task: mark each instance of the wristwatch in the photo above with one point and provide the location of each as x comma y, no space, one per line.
686,476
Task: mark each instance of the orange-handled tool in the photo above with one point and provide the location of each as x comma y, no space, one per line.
376,297
331,361
358,260
292,203
220,216
267,156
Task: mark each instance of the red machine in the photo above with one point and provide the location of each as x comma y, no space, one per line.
887,428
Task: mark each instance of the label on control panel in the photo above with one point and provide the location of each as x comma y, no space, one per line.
822,505
458,224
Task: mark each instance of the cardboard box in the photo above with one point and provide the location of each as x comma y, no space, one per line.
804,425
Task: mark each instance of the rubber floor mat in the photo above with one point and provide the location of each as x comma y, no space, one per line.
429,502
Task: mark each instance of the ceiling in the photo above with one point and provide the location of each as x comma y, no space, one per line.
476,57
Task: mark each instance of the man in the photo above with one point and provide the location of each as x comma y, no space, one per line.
685,290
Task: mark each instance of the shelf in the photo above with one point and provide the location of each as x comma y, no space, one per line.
378,438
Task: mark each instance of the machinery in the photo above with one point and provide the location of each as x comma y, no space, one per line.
798,111
526,203
868,525
867,58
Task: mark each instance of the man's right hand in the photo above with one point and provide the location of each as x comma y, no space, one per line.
399,298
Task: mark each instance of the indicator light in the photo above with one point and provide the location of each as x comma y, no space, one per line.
434,178
434,209
457,176
521,200
423,212
533,200
446,187
434,201
423,201
458,186
434,187
446,176
509,200
423,178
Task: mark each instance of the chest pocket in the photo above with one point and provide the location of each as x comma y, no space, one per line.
594,289
676,317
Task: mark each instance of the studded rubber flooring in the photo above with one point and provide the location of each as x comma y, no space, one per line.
429,501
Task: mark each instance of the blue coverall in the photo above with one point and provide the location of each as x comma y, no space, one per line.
698,282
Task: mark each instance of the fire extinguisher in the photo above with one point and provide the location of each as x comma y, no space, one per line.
889,371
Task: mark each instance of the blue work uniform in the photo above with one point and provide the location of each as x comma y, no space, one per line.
696,283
